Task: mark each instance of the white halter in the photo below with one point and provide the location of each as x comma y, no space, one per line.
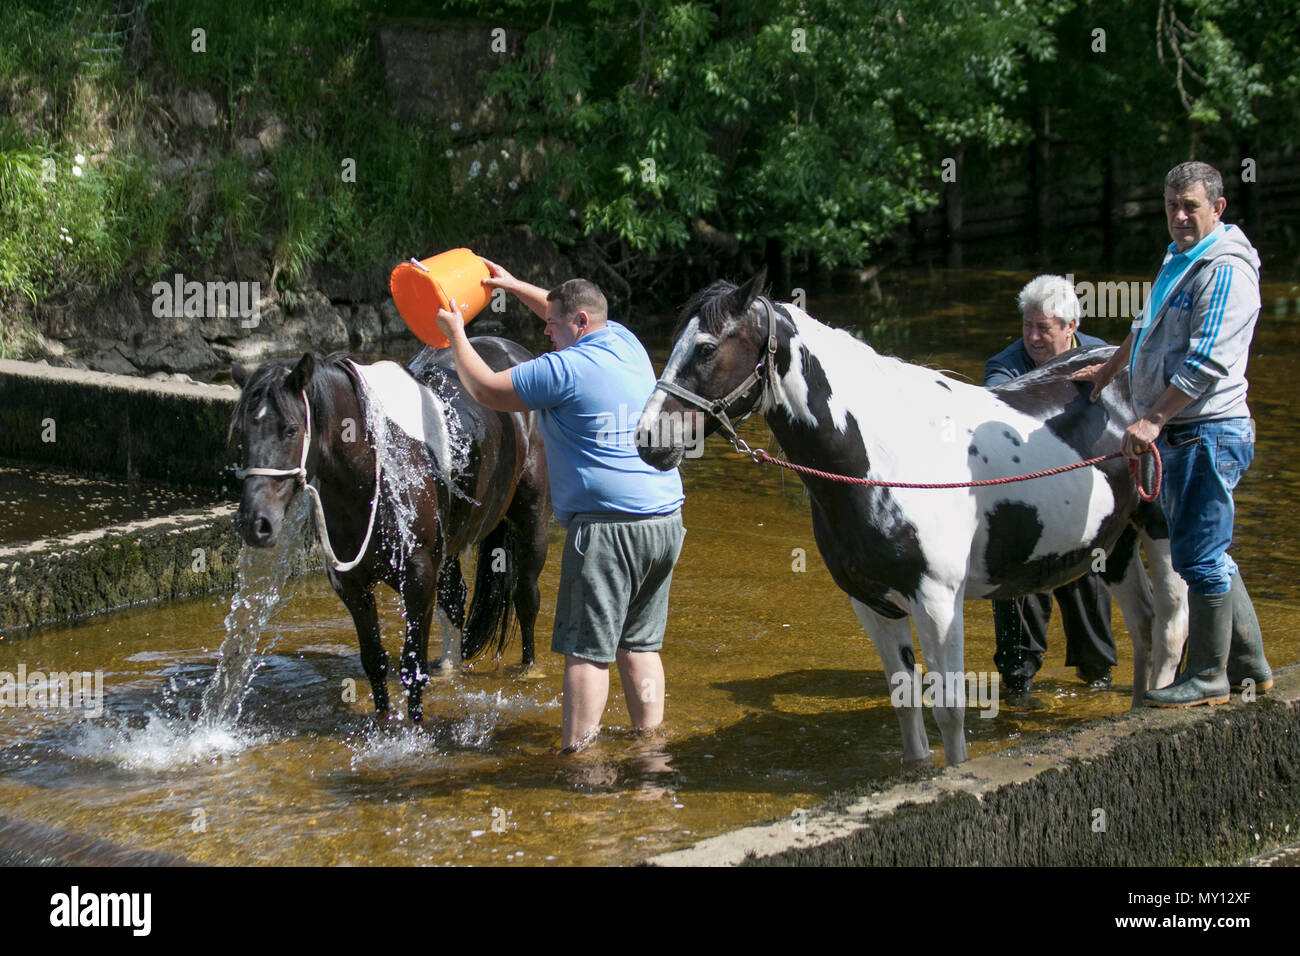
299,475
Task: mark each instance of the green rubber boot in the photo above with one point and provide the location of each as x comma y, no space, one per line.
1246,655
1209,634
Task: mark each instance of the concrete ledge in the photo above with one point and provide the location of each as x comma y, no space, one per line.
36,844
1198,786
75,576
116,424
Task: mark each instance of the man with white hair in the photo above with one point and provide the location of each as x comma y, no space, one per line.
1050,312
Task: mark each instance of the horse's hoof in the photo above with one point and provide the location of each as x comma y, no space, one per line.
531,671
911,763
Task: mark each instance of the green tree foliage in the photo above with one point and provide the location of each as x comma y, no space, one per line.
657,131
820,124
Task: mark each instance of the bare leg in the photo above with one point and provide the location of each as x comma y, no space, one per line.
642,673
586,688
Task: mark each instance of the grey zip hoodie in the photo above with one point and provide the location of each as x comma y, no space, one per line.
1199,341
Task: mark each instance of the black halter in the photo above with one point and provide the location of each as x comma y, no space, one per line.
718,407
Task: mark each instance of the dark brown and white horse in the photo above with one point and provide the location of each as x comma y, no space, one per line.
838,406
327,426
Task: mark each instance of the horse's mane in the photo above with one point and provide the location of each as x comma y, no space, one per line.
266,384
710,304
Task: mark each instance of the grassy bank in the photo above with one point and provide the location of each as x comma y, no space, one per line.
85,191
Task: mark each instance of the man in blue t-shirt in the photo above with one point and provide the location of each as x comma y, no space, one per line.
623,516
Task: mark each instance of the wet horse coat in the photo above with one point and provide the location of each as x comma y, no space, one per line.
500,501
838,406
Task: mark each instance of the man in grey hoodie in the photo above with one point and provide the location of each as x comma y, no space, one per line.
1186,356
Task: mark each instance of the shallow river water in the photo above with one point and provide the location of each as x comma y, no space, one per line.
776,698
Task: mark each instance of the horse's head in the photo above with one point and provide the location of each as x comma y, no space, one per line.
717,348
270,421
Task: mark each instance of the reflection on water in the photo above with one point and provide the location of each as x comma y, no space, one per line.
775,696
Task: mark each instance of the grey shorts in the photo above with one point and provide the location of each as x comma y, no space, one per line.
614,581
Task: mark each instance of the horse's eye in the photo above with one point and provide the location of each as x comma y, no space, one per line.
706,350
291,431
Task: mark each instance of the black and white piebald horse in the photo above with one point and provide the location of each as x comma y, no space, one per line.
838,406
314,425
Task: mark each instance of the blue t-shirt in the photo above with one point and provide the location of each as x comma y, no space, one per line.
589,399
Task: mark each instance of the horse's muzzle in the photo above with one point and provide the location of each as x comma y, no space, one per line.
665,458
258,529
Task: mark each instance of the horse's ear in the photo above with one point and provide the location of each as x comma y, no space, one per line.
740,300
239,374
301,373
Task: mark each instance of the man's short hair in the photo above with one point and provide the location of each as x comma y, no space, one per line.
1051,295
1190,173
579,295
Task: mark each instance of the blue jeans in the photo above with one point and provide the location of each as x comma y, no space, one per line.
1197,497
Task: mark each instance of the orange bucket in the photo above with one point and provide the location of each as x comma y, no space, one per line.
420,289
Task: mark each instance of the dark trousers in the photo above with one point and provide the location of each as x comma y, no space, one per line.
1020,625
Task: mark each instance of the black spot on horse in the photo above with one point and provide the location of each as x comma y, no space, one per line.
1013,439
1120,556
885,554
1151,518
909,658
1014,530
1016,459
942,384
972,450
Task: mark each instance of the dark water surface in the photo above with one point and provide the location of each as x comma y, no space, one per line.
38,502
776,698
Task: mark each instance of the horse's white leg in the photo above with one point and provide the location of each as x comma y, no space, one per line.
450,660
893,640
939,625
1169,632
1133,594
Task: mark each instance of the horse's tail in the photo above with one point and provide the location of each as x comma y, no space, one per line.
494,587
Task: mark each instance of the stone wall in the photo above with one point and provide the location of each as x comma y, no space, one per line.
1146,788
435,74
118,425
68,578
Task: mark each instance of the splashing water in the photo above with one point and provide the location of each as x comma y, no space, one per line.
405,478
163,743
265,583
438,381
263,576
